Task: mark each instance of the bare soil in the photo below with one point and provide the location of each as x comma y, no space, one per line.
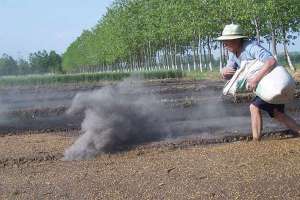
31,168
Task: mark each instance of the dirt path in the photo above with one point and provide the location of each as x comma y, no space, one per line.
30,168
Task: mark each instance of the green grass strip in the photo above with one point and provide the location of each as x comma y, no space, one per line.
85,77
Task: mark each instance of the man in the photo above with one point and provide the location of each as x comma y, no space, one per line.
241,49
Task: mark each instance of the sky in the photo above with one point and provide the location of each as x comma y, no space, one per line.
28,26
31,25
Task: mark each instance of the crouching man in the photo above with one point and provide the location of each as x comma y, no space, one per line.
241,49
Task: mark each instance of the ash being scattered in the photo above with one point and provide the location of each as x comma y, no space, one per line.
117,117
121,116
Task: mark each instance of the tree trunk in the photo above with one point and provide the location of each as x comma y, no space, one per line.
188,62
130,63
140,60
221,57
200,53
288,57
166,58
204,56
133,65
171,54
157,61
286,51
194,56
175,62
209,54
150,55
256,22
274,48
145,65
181,64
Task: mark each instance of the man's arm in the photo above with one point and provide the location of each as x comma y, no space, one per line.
262,54
269,64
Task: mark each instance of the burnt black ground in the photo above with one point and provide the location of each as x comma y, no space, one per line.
42,108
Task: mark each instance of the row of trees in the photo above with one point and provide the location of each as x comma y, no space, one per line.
38,63
42,62
136,34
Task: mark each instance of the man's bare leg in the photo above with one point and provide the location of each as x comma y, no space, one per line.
287,121
256,122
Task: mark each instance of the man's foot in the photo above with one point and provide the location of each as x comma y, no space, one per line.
256,139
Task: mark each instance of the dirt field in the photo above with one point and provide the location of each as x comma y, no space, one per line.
30,168
34,133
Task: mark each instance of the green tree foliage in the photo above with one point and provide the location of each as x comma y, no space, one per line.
44,62
23,67
54,62
8,65
135,32
39,62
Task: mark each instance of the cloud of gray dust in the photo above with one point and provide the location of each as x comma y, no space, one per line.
116,117
127,114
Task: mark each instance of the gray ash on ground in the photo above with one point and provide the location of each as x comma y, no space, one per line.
195,108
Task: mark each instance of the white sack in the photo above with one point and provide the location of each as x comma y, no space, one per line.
277,87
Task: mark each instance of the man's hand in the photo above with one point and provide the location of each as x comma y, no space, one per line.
252,83
227,72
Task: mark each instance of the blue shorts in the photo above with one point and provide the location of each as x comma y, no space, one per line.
268,107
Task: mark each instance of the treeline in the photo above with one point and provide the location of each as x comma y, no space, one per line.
294,56
38,63
178,34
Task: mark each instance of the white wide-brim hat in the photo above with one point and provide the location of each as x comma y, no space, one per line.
231,32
